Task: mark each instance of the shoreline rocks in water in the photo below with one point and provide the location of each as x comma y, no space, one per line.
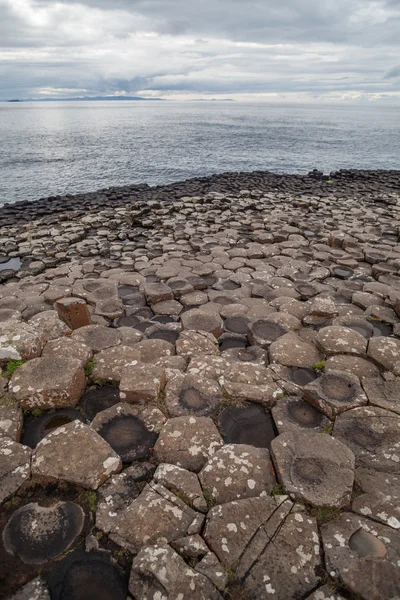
231,346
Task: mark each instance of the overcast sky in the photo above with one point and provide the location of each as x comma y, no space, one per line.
291,50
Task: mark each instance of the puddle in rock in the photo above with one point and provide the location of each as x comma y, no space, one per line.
13,264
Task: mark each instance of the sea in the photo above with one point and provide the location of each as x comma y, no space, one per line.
58,148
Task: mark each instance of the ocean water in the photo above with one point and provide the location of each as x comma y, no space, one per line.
55,148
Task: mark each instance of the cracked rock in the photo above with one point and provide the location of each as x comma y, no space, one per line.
15,466
334,393
183,484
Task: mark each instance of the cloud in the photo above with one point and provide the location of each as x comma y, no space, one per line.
175,48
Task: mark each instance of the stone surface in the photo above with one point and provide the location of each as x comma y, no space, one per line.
49,325
198,320
355,365
182,483
11,420
34,590
19,341
75,453
237,471
141,383
334,393
97,337
294,414
373,435
341,340
314,467
249,424
109,363
15,466
159,572
189,395
290,351
73,311
68,347
384,394
384,351
188,442
48,383
194,343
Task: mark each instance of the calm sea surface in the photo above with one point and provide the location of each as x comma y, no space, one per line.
67,147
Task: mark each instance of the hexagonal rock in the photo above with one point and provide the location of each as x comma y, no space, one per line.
76,453
15,466
49,325
169,307
381,498
373,435
197,320
323,307
116,495
141,383
208,367
385,394
362,554
231,526
385,351
290,351
355,365
250,383
293,414
314,467
195,343
183,484
48,383
265,331
157,292
288,562
130,430
334,393
152,350
155,515
73,311
238,471
34,590
11,420
68,347
37,534
97,337
109,363
19,340
250,355
159,572
341,340
187,442
213,570
189,395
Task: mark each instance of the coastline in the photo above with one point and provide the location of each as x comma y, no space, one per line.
203,379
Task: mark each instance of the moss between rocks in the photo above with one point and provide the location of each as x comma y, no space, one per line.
323,514
278,490
89,368
209,498
328,429
12,366
319,366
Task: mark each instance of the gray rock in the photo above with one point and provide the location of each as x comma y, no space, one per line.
34,590
314,467
213,570
49,325
11,420
334,393
68,347
355,365
183,484
19,340
198,320
341,340
326,592
187,394
110,363
385,351
15,466
384,394
195,343
141,383
293,414
97,337
290,351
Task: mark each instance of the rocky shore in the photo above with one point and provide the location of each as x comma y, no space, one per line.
200,391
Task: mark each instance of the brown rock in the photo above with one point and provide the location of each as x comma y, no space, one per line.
73,311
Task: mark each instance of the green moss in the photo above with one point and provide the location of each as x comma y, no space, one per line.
278,490
92,499
37,412
328,429
319,366
323,514
89,368
12,366
209,498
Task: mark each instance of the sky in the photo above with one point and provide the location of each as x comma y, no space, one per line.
253,50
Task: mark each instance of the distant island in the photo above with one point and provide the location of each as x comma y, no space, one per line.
88,99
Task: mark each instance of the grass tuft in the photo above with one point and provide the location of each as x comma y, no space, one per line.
319,366
12,366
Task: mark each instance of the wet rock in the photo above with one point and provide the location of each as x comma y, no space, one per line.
335,392
351,539
290,351
19,340
341,340
195,343
68,347
75,453
288,559
110,363
183,484
198,320
237,471
314,467
130,431
141,383
48,383
294,414
384,394
385,351
158,571
96,399
355,365
73,311
373,435
15,466
49,325
246,425
187,442
38,534
97,337
11,420
189,395
34,590
36,428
